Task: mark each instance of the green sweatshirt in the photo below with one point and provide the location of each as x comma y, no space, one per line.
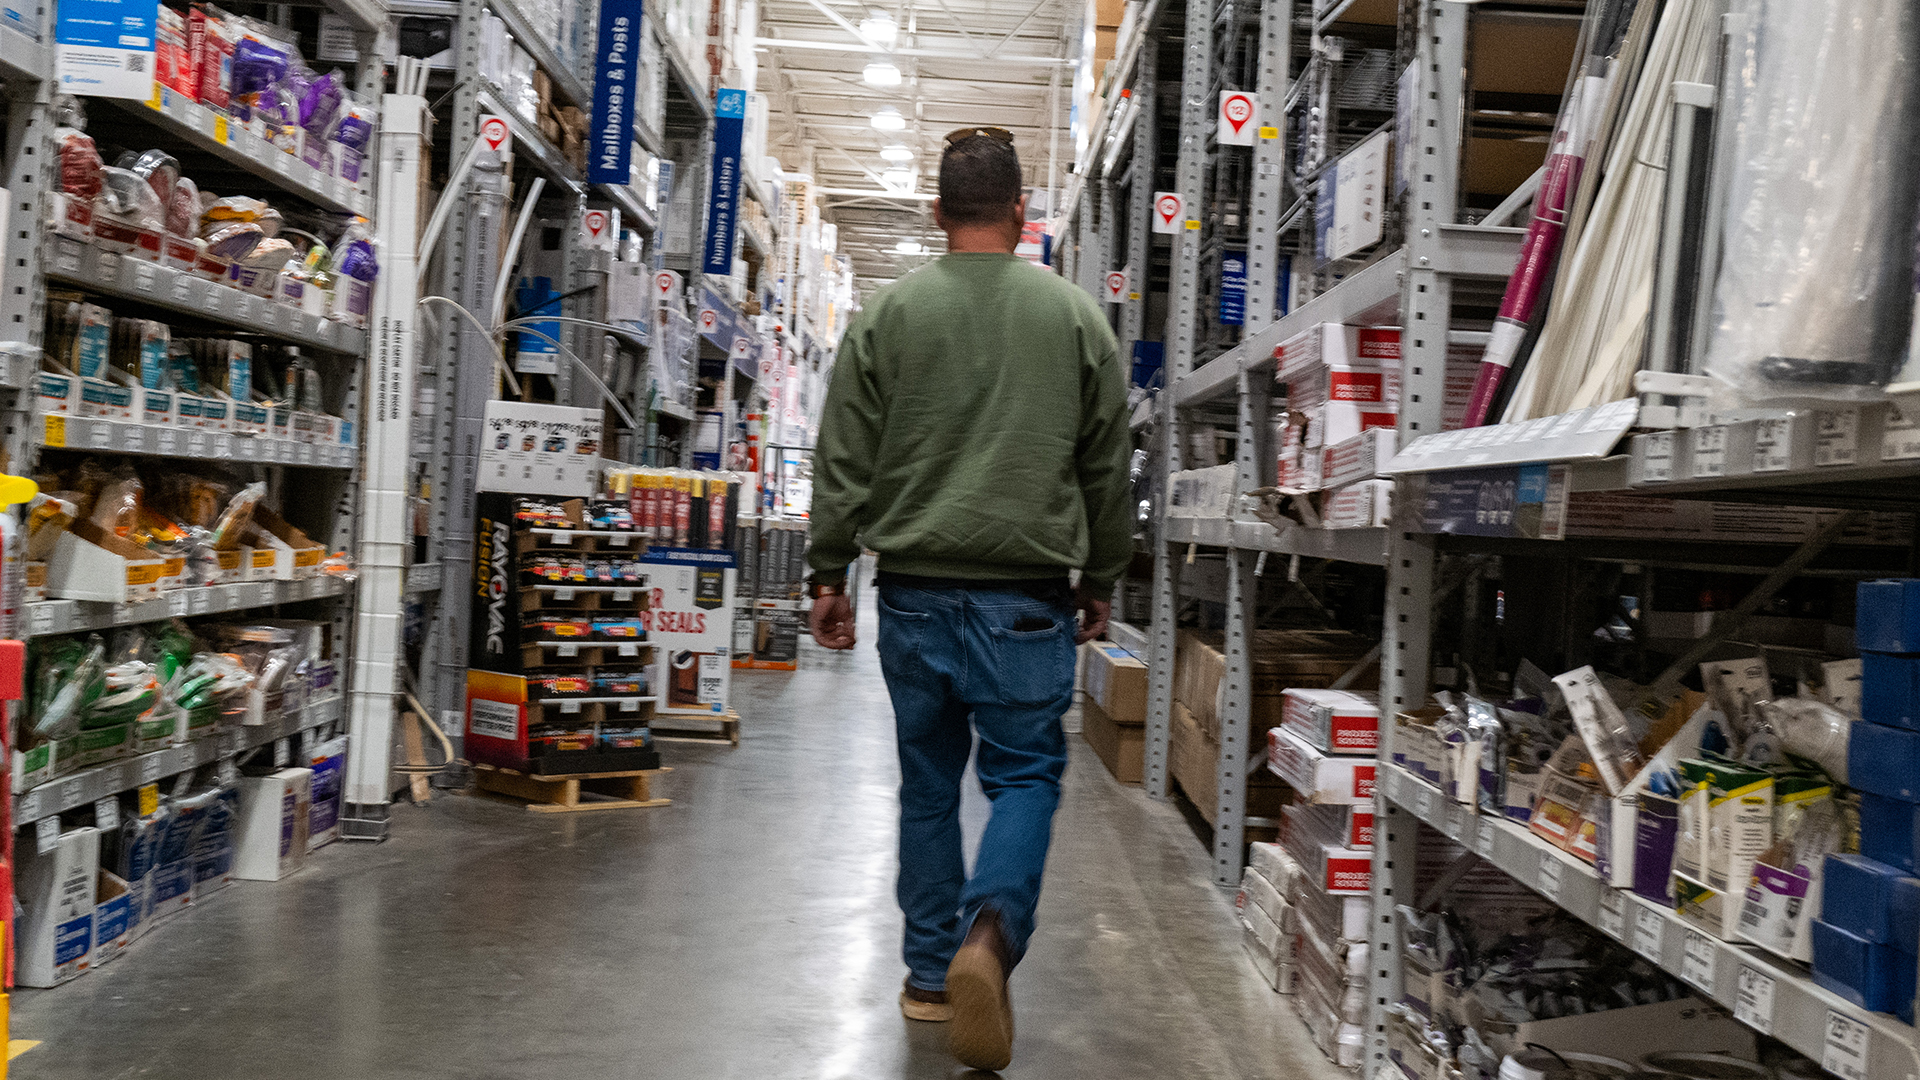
976,427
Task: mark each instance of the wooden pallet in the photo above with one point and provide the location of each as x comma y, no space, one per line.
722,728
573,792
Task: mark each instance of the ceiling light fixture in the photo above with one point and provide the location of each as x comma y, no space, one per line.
881,73
889,119
910,247
896,152
880,29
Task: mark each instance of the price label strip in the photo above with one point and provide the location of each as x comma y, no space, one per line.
1773,446
1838,442
1550,870
1648,927
1658,462
1753,1000
1613,914
1696,964
1709,452
1845,1052
1484,843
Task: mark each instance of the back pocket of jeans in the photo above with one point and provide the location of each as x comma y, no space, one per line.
1033,667
900,631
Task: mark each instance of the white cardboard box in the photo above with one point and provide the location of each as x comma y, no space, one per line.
57,893
1358,458
1333,721
1319,777
1365,505
275,815
1331,344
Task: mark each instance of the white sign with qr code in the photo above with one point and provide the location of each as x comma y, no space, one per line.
105,48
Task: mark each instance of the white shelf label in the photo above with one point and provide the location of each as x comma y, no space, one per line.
168,440
620,541
284,162
1901,441
628,648
1423,803
68,261
621,596
564,594
1648,926
1709,451
227,772
72,791
1457,822
199,602
177,602
282,753
197,444
1550,870
145,277
569,708
109,266
29,805
100,435
1659,458
1839,438
46,835
1696,965
215,300
1484,844
1613,914
1845,1054
1773,445
569,649
182,289
561,539
40,618
222,446
133,438
630,706
151,766
1753,1000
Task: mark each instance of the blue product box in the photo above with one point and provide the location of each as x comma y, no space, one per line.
1890,831
1872,900
1884,760
1879,978
1890,689
1887,616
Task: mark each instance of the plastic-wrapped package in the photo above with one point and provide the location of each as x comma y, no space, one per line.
67,679
355,269
129,693
209,679
211,42
353,134
1810,729
92,342
158,168
80,162
117,509
47,517
126,208
260,59
172,54
232,241
238,515
1815,294
256,270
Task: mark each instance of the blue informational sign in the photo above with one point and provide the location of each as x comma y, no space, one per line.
104,48
616,76
1233,288
1528,501
723,196
1283,288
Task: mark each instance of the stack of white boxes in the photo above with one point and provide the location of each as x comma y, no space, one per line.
1325,857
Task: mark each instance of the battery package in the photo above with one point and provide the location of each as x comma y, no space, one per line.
1873,901
1887,616
1890,831
1884,760
1876,977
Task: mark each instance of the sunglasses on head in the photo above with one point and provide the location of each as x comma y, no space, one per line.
998,134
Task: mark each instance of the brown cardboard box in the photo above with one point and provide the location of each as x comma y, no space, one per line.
1107,14
1122,747
1116,680
1104,44
1283,660
1194,759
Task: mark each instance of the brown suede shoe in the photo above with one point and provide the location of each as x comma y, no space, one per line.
928,1005
982,1032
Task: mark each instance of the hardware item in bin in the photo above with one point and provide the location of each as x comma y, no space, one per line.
553,630
626,738
543,514
619,629
557,568
608,516
614,684
559,686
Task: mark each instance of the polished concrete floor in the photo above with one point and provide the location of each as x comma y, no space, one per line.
746,931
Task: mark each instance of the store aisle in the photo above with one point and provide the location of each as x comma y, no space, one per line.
746,931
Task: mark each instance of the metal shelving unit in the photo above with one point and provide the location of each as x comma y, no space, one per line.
46,617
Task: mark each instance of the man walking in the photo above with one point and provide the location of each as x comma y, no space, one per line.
975,436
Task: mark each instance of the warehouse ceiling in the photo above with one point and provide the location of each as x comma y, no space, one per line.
961,62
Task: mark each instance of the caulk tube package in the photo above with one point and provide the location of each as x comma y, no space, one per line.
1815,295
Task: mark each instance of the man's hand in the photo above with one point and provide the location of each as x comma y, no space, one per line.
1094,611
831,621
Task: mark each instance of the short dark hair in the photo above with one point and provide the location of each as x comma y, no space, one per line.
979,179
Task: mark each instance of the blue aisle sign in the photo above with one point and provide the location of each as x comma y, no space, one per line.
1233,288
616,75
104,48
723,198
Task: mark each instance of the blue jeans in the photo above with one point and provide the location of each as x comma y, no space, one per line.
951,655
